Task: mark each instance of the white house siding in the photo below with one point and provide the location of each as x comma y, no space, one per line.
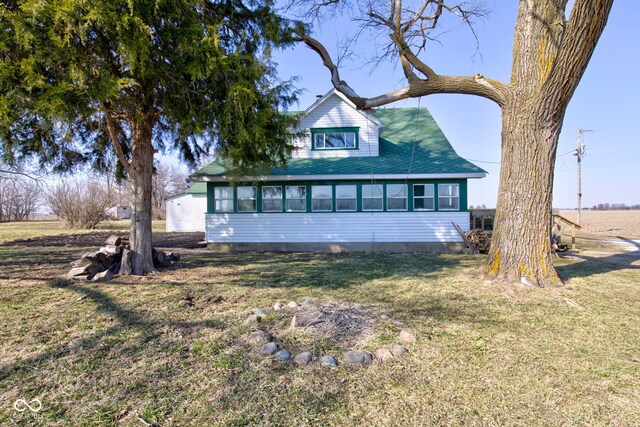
332,113
186,212
357,227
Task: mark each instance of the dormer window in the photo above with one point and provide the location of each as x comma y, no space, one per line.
334,138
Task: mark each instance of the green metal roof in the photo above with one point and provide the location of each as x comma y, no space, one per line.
411,142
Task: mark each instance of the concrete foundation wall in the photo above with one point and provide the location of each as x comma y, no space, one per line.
393,247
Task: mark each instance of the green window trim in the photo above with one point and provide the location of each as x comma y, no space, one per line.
320,131
437,185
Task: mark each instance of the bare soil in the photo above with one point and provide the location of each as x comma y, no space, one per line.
171,240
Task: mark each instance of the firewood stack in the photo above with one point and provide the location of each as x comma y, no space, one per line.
114,258
480,240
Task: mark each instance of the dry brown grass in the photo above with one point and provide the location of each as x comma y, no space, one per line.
172,349
609,223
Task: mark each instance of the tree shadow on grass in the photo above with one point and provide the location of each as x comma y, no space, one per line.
592,265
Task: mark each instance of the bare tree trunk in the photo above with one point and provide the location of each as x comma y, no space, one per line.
520,245
140,178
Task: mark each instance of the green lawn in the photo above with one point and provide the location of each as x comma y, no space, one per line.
172,349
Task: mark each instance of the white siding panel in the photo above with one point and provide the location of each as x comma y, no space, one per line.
357,227
334,112
186,212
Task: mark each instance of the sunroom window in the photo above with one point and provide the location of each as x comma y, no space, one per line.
423,197
372,197
296,198
448,197
334,139
321,198
396,197
247,199
223,197
271,199
346,198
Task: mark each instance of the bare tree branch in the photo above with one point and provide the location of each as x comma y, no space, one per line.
114,137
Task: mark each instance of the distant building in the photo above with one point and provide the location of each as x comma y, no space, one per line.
119,212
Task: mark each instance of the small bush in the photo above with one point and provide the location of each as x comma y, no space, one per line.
80,204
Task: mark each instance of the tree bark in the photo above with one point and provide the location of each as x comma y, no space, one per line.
520,245
140,178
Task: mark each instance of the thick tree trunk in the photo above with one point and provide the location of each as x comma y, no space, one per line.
520,245
140,178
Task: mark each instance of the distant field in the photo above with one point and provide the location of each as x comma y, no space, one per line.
29,229
611,223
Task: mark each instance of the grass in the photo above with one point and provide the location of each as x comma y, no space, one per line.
172,349
27,230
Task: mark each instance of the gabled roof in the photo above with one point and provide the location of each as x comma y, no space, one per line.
411,145
347,101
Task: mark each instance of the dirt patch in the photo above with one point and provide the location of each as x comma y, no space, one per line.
160,240
349,326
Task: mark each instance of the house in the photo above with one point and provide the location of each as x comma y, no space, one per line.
119,212
186,211
383,179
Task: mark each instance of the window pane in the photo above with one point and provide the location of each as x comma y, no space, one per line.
448,190
245,205
321,192
272,192
223,193
345,191
396,190
296,192
246,192
334,140
351,140
346,204
224,205
271,205
296,205
369,204
372,190
319,140
397,204
418,190
321,204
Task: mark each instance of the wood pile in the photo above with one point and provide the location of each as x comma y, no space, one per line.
114,258
479,240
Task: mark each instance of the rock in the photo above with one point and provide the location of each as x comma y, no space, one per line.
398,350
292,304
358,356
328,361
259,311
306,319
327,304
345,305
82,262
111,250
103,276
283,355
303,358
254,318
307,303
270,348
278,306
385,317
383,354
398,323
86,270
259,337
407,337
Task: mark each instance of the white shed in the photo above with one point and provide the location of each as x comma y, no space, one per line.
186,211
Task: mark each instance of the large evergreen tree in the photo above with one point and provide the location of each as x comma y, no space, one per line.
78,77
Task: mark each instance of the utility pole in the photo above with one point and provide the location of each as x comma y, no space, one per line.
579,153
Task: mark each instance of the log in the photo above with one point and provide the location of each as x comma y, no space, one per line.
114,240
111,249
126,263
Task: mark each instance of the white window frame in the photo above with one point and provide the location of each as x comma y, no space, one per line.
314,198
287,198
216,199
381,187
391,197
425,197
324,140
354,198
272,198
451,198
254,199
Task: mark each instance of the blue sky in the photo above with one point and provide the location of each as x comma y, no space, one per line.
606,101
